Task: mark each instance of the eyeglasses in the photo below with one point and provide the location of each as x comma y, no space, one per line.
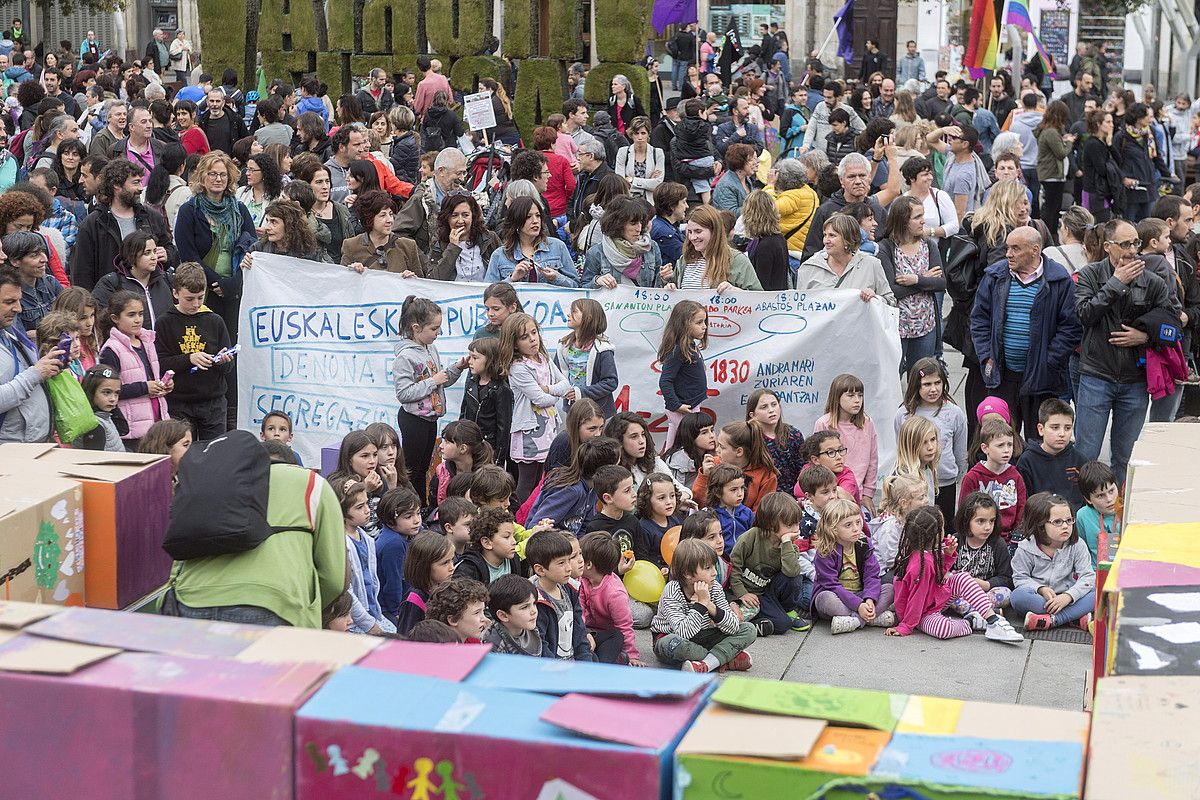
841,451
1130,244
217,176
1066,522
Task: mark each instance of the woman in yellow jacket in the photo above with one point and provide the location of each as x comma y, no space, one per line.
796,200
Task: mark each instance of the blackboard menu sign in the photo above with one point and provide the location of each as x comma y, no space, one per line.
1055,33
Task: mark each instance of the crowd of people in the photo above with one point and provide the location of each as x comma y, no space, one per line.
541,519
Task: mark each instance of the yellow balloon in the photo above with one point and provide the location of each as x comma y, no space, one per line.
644,582
669,541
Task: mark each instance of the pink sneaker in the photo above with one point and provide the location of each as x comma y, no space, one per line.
694,666
1038,622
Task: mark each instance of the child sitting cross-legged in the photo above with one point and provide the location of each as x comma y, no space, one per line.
605,601
492,550
512,601
982,553
925,584
559,614
704,526
848,590
694,624
1052,568
459,603
767,578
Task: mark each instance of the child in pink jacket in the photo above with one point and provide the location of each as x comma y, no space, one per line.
605,602
925,585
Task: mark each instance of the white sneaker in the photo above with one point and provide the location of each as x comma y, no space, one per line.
885,620
1002,631
978,623
845,624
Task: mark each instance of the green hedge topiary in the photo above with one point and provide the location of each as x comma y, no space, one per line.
474,26
466,72
223,47
598,88
541,87
273,23
518,28
622,27
565,29
406,21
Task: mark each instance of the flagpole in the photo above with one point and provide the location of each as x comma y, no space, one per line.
836,21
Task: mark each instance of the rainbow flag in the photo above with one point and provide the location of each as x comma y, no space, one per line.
1018,15
983,46
1044,55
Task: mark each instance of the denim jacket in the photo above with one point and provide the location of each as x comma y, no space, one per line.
551,253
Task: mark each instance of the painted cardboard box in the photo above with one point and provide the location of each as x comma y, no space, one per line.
762,738
126,507
96,722
41,539
1161,484
374,732
1143,742
767,739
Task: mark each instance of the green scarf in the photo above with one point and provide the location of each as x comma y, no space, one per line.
225,213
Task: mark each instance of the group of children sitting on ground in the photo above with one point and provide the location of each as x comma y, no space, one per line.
754,528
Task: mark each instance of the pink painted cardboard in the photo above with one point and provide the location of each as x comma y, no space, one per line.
140,725
450,662
608,718
1138,574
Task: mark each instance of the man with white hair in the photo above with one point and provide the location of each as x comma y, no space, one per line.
116,113
854,171
418,219
158,54
593,166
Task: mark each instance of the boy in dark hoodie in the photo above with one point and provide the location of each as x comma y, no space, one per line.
512,602
559,614
189,337
839,142
1052,465
692,145
491,552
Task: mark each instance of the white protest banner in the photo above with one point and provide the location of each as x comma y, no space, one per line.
478,111
317,342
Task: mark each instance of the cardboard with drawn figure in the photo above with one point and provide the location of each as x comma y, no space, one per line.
375,733
41,545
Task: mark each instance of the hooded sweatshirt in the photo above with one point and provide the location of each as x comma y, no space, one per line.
1007,488
917,591
1068,571
1024,125
1044,472
180,335
314,105
412,374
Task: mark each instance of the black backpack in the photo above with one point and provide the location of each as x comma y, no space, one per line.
220,504
432,137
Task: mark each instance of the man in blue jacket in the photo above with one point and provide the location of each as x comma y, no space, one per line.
1024,327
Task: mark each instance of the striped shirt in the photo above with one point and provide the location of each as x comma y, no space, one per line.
1018,310
693,275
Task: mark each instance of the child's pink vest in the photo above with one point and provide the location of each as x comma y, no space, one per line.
139,411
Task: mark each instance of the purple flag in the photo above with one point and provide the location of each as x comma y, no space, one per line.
673,12
844,20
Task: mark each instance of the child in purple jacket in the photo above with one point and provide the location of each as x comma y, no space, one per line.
847,590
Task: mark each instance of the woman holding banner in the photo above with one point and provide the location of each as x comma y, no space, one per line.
625,254
378,247
708,262
841,265
464,247
527,253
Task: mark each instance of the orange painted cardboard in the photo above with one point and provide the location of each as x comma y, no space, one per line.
126,507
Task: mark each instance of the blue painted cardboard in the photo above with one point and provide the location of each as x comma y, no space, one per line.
1029,768
550,676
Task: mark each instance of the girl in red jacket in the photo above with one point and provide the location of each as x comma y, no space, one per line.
925,585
